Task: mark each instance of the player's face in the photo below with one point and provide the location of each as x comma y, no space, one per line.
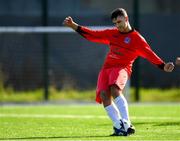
121,23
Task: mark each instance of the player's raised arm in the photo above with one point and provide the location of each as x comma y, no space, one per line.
99,36
146,52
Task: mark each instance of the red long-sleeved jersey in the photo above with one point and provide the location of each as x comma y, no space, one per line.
124,47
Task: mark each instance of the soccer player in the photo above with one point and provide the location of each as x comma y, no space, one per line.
178,61
125,45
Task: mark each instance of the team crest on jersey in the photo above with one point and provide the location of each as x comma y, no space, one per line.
127,40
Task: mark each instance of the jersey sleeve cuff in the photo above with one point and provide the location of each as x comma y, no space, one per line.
161,66
81,31
78,29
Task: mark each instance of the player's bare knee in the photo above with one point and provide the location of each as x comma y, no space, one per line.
103,95
106,99
115,91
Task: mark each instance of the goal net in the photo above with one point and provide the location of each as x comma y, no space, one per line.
72,62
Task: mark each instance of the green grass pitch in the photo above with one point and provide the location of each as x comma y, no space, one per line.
86,122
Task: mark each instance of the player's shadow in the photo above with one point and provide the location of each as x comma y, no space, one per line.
158,124
56,137
141,123
168,124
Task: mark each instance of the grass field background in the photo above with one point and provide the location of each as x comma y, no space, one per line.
86,122
146,95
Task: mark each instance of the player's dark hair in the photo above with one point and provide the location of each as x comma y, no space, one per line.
118,12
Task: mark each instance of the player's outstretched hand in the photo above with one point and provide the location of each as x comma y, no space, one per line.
178,61
70,23
169,67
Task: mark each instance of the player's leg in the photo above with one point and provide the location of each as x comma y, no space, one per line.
117,81
103,96
110,108
120,101
113,114
122,106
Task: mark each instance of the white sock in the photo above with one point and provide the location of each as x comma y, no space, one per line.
122,106
113,114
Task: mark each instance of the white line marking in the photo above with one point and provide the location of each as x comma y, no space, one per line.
50,116
82,116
